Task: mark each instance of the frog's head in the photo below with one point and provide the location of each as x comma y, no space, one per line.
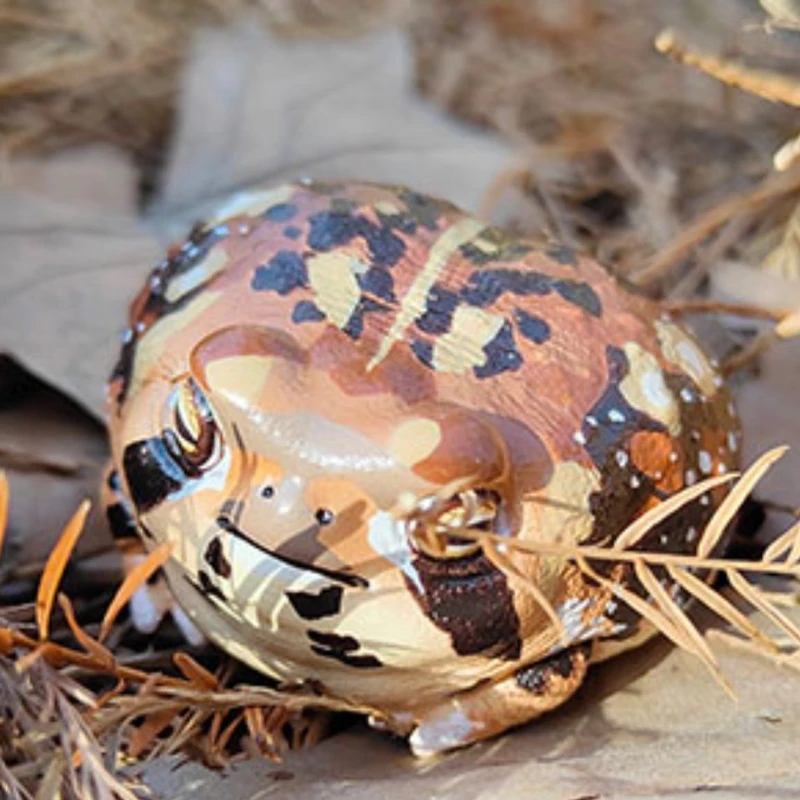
337,525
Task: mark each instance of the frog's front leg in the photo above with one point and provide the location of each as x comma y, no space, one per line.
150,602
490,709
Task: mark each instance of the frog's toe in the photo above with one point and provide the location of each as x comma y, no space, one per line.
150,603
193,635
493,708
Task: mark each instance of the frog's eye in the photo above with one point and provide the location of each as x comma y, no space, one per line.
193,438
441,528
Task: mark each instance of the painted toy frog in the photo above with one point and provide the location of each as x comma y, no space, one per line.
327,388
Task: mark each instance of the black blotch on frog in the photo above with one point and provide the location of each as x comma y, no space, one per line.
283,273
332,229
326,603
215,558
280,212
469,598
341,648
501,354
205,587
151,472
486,286
120,521
536,678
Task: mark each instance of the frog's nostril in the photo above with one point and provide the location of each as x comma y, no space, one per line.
324,516
268,492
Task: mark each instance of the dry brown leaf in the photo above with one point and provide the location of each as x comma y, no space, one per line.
734,499
50,449
339,110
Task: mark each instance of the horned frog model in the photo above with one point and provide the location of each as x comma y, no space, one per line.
327,391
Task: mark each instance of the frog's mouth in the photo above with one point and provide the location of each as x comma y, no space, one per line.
347,578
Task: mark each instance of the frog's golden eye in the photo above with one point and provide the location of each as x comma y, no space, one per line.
440,528
193,439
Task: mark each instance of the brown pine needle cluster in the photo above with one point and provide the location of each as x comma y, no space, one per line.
60,736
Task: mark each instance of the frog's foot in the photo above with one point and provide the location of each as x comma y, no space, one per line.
493,708
152,601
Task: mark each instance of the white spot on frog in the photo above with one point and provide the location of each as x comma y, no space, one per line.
444,732
250,202
646,390
571,614
704,462
682,351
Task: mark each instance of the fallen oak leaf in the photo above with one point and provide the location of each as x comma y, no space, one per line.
230,135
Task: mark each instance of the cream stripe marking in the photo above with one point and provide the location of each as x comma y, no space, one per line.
414,301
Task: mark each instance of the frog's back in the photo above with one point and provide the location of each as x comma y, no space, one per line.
394,292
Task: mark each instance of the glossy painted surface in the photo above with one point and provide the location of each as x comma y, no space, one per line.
323,385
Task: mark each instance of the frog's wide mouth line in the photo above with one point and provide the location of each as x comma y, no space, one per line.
348,579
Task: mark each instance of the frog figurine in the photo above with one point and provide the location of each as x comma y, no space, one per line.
333,396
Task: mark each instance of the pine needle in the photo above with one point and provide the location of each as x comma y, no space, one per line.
789,326
753,596
505,563
54,569
659,607
772,86
695,642
733,501
136,578
638,604
782,544
93,647
642,525
724,609
195,672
